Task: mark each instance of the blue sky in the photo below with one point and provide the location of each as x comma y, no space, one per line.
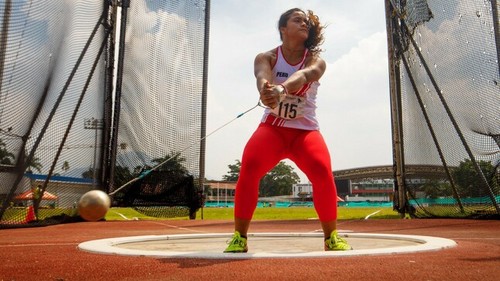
353,99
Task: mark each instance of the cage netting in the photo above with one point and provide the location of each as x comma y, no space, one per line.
161,110
446,106
52,92
83,108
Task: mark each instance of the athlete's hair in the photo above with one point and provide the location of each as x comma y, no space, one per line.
315,38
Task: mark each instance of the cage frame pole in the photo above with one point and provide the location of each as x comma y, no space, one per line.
496,28
201,178
125,4
4,35
400,201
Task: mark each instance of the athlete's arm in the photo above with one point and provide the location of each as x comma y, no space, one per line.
264,76
314,69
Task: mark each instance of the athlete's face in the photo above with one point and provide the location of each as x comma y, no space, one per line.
298,25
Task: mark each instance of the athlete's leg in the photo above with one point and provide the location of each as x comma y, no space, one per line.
262,152
311,155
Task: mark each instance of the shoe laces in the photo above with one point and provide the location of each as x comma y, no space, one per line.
334,239
236,240
337,238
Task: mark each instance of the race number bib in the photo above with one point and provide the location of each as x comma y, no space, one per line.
292,107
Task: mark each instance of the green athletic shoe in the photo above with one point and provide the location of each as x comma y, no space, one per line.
336,243
237,244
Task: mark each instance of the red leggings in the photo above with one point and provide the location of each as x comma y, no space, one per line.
266,148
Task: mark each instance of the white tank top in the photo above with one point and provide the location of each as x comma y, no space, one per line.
299,109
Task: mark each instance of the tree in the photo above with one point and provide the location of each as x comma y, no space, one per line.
469,182
89,174
65,166
137,170
174,165
122,175
34,164
171,169
6,157
279,181
234,172
435,189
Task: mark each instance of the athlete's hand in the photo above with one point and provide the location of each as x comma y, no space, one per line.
270,94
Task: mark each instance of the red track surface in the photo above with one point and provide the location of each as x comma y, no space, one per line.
51,253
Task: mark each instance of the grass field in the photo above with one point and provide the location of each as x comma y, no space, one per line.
211,213
294,213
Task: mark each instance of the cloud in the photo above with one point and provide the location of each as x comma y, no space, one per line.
354,106
458,48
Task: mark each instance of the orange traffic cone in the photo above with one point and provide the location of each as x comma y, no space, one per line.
30,215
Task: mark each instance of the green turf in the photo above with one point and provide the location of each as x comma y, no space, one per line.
295,213
292,213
